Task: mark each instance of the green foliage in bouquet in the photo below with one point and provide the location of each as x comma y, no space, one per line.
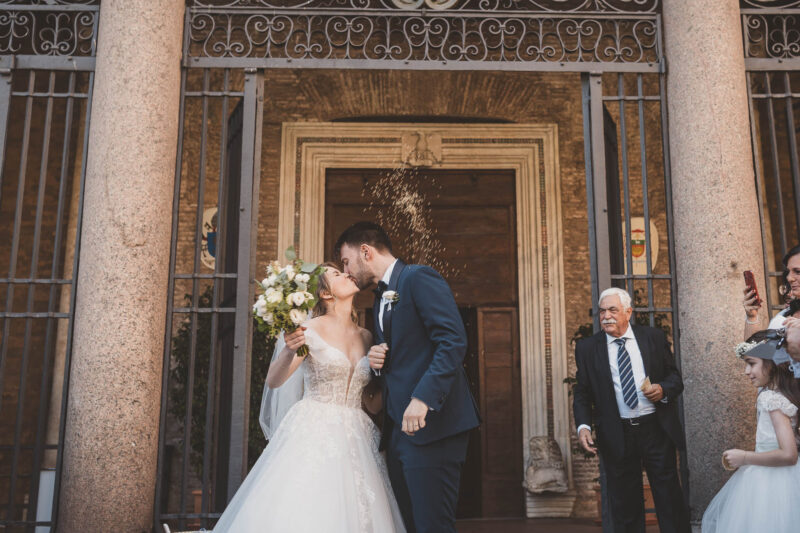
287,296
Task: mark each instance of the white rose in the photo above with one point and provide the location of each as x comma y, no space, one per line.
273,296
297,316
260,307
308,296
269,318
289,269
302,278
296,299
269,281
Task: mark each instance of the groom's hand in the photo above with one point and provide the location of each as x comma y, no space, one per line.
377,356
414,417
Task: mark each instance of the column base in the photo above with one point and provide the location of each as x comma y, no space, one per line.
552,505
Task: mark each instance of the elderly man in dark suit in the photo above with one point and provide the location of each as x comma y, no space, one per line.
636,425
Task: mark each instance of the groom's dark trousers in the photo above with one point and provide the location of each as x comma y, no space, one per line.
427,344
425,480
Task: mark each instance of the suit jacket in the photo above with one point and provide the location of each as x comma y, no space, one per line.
427,343
594,401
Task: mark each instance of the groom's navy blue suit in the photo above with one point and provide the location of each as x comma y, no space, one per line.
427,344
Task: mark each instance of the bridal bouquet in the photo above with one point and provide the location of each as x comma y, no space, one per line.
286,298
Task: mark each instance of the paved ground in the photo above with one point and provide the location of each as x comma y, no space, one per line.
521,525
540,525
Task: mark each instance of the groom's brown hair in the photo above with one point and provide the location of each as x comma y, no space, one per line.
363,233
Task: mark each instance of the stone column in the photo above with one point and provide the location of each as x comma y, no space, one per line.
111,443
717,233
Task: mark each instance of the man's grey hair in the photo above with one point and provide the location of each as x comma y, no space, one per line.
624,297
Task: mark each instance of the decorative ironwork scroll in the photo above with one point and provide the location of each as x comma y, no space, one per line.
376,38
48,27
543,6
771,32
768,4
50,3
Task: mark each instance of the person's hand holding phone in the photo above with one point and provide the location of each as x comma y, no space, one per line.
751,301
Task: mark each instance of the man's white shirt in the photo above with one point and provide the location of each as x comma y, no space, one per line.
384,302
645,406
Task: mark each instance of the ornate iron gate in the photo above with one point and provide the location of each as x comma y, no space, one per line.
772,59
616,45
46,76
209,334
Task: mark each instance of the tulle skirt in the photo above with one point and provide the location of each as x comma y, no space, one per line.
755,499
321,472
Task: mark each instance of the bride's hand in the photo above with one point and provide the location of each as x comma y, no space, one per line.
295,339
735,457
377,356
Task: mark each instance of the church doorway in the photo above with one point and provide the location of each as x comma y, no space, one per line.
462,222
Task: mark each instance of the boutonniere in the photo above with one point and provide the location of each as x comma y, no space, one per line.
391,296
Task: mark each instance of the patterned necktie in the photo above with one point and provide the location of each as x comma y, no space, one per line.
626,380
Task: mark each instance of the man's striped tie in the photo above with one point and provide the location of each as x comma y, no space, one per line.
626,375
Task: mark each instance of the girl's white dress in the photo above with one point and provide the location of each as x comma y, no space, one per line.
760,498
321,471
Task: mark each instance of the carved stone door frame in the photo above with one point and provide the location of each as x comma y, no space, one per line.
531,151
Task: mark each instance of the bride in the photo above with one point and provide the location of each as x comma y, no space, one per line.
321,470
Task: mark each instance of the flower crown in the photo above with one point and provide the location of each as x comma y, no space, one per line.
743,347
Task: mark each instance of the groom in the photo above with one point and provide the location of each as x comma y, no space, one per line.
419,351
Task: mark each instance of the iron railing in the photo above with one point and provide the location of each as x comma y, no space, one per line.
774,98
49,34
771,39
202,459
629,201
583,35
46,78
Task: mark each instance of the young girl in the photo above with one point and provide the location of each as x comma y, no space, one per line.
764,494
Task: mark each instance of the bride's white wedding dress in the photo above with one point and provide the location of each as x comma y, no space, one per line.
321,471
760,498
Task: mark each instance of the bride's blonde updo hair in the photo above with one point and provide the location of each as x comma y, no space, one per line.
320,307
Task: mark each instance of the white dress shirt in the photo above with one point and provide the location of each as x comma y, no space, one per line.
385,304
645,406
777,320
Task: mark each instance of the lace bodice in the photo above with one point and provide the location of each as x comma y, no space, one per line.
329,376
321,470
769,400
